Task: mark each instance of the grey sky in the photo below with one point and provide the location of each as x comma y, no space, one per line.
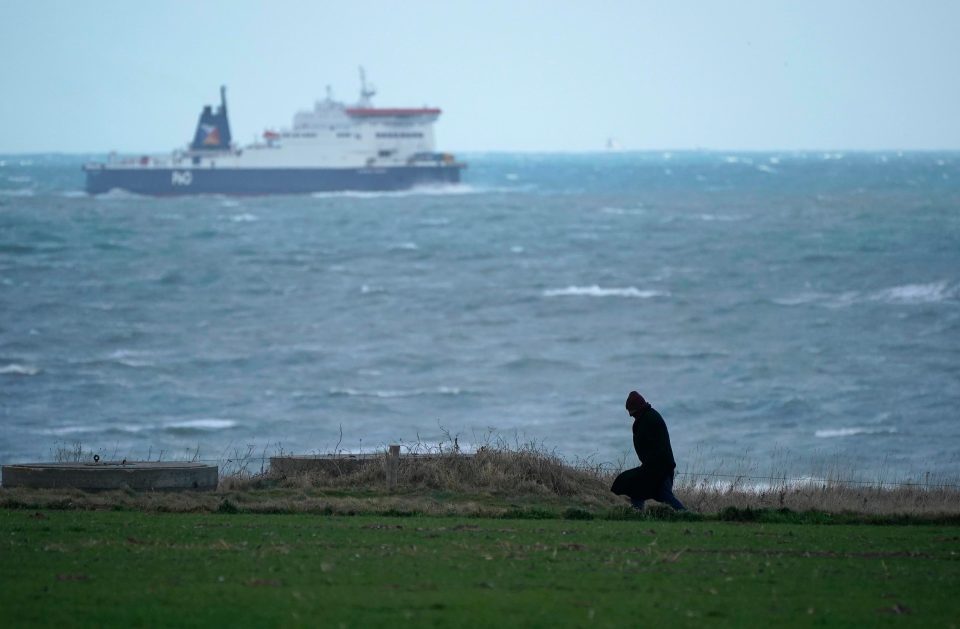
509,75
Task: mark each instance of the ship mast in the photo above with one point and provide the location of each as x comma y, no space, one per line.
367,91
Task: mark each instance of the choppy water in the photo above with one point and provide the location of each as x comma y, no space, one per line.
762,302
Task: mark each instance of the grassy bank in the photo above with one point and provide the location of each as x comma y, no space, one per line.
68,568
501,481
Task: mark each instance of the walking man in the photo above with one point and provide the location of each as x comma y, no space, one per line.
654,478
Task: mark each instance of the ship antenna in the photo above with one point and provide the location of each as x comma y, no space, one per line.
366,91
223,98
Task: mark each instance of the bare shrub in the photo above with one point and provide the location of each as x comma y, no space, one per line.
69,452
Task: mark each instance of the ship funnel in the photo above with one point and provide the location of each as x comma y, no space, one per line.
213,128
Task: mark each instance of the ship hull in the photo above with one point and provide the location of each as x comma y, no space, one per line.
249,181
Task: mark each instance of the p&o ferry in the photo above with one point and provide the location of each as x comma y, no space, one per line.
333,147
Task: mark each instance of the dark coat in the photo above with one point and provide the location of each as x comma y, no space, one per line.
652,443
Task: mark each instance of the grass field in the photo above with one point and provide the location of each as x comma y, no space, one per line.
131,568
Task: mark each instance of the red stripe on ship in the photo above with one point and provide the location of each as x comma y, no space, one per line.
368,112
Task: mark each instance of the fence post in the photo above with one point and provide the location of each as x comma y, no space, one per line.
392,465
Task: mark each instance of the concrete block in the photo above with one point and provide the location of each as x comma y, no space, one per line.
137,475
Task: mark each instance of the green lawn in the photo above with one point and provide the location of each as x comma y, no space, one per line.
69,568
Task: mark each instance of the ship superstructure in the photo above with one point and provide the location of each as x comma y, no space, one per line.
330,147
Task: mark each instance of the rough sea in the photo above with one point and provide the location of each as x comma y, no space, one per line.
781,310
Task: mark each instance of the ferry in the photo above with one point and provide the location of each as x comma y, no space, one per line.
333,147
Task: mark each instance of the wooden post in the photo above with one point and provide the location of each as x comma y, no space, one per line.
392,466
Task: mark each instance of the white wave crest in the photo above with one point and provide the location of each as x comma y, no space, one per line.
14,369
395,394
440,190
720,217
801,299
207,423
906,295
828,433
597,291
63,431
932,293
244,218
131,428
116,194
133,358
17,192
622,211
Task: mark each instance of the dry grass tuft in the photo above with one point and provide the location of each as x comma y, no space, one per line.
524,472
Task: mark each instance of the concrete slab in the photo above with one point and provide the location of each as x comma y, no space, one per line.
138,475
